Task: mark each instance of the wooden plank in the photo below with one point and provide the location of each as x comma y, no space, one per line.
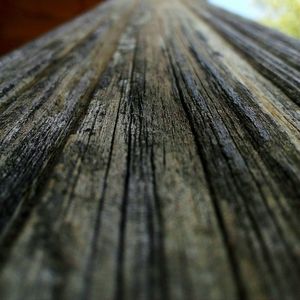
280,65
147,158
57,100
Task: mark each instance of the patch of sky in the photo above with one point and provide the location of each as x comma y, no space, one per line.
245,8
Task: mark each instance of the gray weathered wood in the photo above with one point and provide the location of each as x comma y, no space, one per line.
151,150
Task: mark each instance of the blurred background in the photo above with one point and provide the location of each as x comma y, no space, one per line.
23,20
283,15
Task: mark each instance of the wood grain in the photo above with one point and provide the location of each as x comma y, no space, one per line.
151,150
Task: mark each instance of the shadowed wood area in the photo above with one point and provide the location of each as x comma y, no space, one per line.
150,149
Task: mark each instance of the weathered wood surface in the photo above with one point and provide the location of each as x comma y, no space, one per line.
151,150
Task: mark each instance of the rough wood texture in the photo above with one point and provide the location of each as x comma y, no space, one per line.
151,150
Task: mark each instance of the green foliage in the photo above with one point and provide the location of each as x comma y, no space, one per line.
283,15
